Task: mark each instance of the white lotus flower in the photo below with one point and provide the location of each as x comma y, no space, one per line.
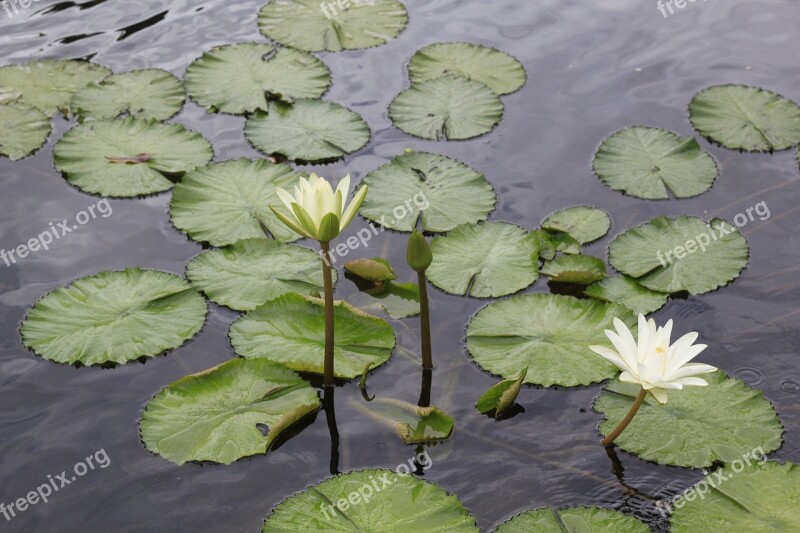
653,362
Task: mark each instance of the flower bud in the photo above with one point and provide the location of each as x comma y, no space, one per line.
418,253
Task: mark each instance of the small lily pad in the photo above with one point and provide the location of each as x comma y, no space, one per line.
501,396
584,224
398,300
572,520
414,425
23,130
550,242
376,269
580,269
624,290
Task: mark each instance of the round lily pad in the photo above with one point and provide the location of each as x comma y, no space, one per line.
584,224
333,26
291,330
577,519
746,118
129,157
624,290
218,415
580,269
697,426
239,78
114,317
548,334
442,192
680,254
447,108
650,163
23,130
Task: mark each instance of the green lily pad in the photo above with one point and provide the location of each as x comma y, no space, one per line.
624,290
376,269
548,334
501,396
584,224
23,130
550,242
114,317
446,108
485,260
414,425
572,520
441,192
314,26
650,163
217,415
378,501
746,118
697,426
229,201
291,330
650,254
502,73
147,94
581,269
129,157
398,300
307,130
48,85
239,78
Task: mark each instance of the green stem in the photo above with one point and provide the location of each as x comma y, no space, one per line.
328,278
425,321
609,440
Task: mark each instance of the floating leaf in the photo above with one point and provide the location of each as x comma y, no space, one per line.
501,396
114,317
239,78
217,415
697,426
549,243
414,424
446,108
398,300
376,269
584,224
572,520
712,255
746,118
624,290
23,130
548,334
442,192
581,269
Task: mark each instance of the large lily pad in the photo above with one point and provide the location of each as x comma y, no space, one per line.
239,78
624,290
441,192
291,330
651,254
114,317
584,224
697,426
23,130
446,108
414,424
548,334
580,269
218,415
129,157
572,520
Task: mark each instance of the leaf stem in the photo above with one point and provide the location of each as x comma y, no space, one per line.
609,440
425,322
329,331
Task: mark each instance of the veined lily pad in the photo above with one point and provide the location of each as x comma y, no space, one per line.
548,334
415,425
697,426
649,162
581,269
584,224
398,300
291,330
446,108
624,290
23,130
442,192
551,242
129,157
114,317
378,501
484,261
217,415
229,201
746,118
572,520
501,396
376,269
239,78
680,254
314,26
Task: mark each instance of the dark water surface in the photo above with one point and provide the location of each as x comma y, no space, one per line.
594,67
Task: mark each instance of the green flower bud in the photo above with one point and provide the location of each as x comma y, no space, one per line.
418,253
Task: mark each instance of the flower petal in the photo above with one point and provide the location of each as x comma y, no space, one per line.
348,215
290,223
660,395
610,356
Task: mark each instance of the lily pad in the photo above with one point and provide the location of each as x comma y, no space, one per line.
447,108
501,396
347,502
584,224
697,426
240,78
291,330
229,201
580,269
307,130
572,520
314,26
376,269
548,334
665,254
746,118
414,425
217,415
485,261
551,242
624,290
114,317
129,157
398,300
147,94
441,192
650,163
23,130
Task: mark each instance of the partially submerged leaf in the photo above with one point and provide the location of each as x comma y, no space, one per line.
572,520
398,300
624,290
23,130
584,224
414,424
550,242
375,269
580,269
501,396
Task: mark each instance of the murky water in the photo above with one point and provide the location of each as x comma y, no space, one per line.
594,67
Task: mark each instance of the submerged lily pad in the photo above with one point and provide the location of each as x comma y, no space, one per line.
23,130
239,78
624,290
114,317
584,224
376,269
697,426
572,520
580,269
548,334
415,425
398,300
501,396
551,242
217,415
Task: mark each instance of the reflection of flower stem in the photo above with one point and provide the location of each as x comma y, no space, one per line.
609,440
425,321
330,416
328,278
425,393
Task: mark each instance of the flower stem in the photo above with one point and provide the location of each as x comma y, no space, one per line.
425,321
609,440
328,279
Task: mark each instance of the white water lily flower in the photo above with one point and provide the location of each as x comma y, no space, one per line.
315,210
653,362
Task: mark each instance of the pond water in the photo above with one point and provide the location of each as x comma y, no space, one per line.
593,67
